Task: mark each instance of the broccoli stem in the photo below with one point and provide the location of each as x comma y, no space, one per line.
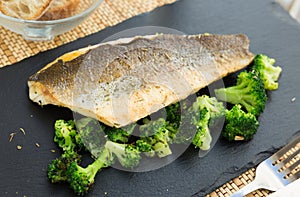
202,139
162,149
232,94
80,178
92,169
116,148
238,94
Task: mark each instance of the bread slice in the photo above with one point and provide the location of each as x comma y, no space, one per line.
24,9
61,9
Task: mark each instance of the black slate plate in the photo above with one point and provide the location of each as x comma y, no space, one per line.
271,31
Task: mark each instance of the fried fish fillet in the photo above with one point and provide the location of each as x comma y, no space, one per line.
122,81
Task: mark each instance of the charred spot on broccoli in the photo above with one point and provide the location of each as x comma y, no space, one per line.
65,137
58,167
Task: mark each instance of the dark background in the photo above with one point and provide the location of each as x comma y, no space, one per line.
271,31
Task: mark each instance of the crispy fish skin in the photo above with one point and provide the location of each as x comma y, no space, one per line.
125,80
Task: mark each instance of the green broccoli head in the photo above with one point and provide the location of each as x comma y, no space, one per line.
204,113
267,71
202,138
239,125
58,167
143,146
157,135
174,115
64,134
127,154
249,92
161,145
120,135
207,111
84,126
81,179
215,108
90,135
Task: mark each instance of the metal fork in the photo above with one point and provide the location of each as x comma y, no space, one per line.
277,171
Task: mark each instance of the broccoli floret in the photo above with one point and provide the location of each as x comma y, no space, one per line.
120,135
58,167
127,155
249,92
144,147
64,134
239,125
81,179
91,135
267,71
174,115
57,171
215,108
89,127
156,134
206,111
202,138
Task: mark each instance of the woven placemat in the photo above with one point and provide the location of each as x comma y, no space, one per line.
235,184
14,48
248,176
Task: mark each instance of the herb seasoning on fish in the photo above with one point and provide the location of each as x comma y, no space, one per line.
125,80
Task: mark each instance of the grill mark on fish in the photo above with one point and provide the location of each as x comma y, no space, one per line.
123,82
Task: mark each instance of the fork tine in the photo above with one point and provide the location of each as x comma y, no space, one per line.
291,168
283,150
288,159
270,176
294,176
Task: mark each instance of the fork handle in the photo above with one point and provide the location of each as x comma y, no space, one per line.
254,185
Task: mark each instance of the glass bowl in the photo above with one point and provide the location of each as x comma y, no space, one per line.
41,30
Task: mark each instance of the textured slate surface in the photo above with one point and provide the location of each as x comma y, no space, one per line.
270,30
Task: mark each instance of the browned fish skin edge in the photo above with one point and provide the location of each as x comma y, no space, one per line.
209,41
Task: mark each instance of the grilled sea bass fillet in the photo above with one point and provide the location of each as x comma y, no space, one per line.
122,81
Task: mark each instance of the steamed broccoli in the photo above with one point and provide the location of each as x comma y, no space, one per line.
267,71
156,134
239,125
81,179
206,111
127,154
91,131
119,134
58,167
90,135
65,135
174,115
249,92
144,147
